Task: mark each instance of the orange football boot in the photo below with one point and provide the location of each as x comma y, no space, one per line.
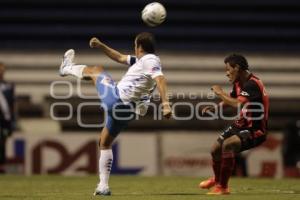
207,184
218,190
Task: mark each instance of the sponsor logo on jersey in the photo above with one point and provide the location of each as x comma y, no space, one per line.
243,93
155,69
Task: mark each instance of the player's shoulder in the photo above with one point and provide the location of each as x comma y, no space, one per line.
252,84
254,78
151,60
253,81
150,57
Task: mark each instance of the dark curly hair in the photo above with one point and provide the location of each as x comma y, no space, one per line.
237,59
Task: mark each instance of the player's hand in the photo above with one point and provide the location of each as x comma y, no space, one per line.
207,109
167,110
95,42
217,89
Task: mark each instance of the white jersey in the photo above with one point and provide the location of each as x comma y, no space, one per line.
138,84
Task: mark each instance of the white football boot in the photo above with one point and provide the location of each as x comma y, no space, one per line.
102,191
67,62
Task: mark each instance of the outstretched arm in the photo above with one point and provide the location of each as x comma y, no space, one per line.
227,100
162,88
113,54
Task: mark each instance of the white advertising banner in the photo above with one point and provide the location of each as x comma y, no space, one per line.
78,153
266,160
187,153
138,151
65,154
164,153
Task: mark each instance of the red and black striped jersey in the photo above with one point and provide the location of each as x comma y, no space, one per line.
255,111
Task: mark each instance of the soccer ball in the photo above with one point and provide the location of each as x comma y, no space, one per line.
154,14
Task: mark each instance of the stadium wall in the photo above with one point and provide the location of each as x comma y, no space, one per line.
182,153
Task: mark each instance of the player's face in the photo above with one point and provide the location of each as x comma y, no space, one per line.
138,50
231,72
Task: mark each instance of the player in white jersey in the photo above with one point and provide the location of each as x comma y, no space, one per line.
132,92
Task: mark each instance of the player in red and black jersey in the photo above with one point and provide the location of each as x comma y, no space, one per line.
249,129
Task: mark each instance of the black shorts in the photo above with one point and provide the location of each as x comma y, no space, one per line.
249,138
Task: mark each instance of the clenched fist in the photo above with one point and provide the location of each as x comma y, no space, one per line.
167,110
217,89
95,43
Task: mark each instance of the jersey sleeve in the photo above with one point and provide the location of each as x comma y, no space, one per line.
131,60
250,92
152,67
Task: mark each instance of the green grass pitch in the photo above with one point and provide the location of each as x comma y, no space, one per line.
140,188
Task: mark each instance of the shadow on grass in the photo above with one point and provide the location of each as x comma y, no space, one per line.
160,194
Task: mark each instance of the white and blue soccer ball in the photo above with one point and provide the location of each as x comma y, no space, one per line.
154,14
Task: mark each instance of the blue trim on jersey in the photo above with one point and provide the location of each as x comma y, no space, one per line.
132,60
109,95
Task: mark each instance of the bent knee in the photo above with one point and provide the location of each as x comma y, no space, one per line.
93,70
231,145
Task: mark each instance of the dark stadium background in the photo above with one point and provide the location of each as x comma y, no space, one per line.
192,25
